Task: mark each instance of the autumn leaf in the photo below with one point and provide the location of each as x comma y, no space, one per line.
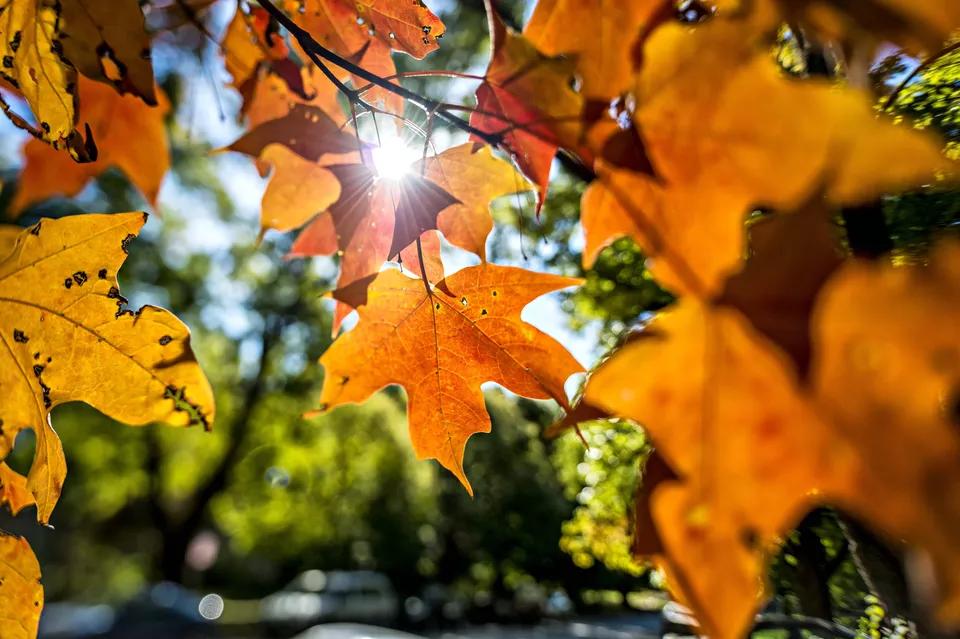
791,257
298,190
728,137
368,30
14,492
474,176
599,35
726,414
21,594
106,40
31,49
272,98
115,120
67,336
375,219
8,238
307,130
248,42
398,24
441,347
886,372
527,99
919,25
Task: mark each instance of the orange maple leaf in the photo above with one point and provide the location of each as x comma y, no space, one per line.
442,346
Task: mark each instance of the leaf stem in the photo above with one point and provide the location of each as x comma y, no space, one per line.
423,268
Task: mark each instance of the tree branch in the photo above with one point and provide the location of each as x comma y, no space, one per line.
314,48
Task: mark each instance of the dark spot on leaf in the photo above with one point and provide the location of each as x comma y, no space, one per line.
102,274
953,408
166,339
20,336
483,311
37,370
463,300
36,356
45,127
344,380
749,538
8,62
182,405
36,229
80,277
494,293
437,306
49,359
67,283
125,243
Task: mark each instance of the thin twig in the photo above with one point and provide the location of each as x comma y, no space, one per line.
926,64
423,74
313,47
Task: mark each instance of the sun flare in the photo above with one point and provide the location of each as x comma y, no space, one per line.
393,159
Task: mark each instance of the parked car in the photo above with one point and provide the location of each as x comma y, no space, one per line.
353,631
159,611
676,619
315,596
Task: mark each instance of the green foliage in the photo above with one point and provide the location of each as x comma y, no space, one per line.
602,478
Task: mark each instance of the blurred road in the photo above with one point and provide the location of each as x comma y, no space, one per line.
639,626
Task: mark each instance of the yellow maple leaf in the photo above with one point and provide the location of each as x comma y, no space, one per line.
66,335
32,61
21,595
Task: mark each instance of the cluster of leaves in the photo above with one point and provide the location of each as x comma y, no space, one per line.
779,376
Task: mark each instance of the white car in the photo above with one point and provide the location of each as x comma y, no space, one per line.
316,596
353,631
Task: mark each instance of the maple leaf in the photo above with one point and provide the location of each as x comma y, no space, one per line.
8,238
272,98
31,50
441,347
107,41
736,134
247,42
725,412
527,99
474,176
918,25
367,30
307,130
21,595
345,26
375,219
67,336
14,492
298,190
115,120
599,35
792,256
886,372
